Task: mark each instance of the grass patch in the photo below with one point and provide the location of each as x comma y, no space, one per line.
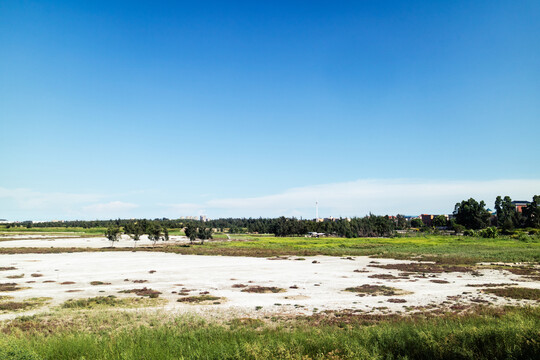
32,303
105,302
376,290
442,249
263,289
516,293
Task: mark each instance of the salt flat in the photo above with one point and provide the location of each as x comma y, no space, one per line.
314,284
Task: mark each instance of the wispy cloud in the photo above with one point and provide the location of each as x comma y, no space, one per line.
354,198
112,208
358,198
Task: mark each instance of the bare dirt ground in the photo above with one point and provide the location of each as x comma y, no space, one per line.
246,286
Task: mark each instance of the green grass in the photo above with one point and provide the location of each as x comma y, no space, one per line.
488,334
447,249
441,248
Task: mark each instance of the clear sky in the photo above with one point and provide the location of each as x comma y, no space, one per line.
260,108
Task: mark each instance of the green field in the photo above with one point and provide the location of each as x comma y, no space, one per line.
510,333
440,248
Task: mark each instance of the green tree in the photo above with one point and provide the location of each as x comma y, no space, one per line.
417,223
113,234
439,221
134,231
155,233
472,214
204,233
191,232
507,216
532,213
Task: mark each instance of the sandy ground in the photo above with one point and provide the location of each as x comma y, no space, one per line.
66,241
320,282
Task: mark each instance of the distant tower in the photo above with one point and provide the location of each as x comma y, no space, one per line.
316,211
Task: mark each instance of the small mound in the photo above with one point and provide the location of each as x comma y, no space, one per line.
143,292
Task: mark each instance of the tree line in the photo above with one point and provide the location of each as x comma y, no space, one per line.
468,215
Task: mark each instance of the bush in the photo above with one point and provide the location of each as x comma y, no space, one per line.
469,232
459,228
489,233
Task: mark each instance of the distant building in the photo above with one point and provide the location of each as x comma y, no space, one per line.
203,218
520,205
4,221
427,219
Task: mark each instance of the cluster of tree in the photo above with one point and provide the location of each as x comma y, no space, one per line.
193,232
155,232
135,230
473,215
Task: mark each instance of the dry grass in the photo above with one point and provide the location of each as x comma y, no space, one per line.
205,298
516,293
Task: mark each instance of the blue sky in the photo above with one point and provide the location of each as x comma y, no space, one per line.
158,108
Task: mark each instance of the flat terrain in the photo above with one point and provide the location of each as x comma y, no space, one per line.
66,294
304,285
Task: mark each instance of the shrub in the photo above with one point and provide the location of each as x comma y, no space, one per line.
469,232
489,233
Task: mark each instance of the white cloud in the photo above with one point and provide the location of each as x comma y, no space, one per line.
358,198
27,199
110,207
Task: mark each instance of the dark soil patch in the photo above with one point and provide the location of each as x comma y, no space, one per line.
36,275
375,290
67,283
523,270
6,268
426,268
239,286
143,292
20,276
386,277
99,283
516,293
361,271
436,281
49,281
397,301
9,287
139,281
152,271
263,289
73,290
